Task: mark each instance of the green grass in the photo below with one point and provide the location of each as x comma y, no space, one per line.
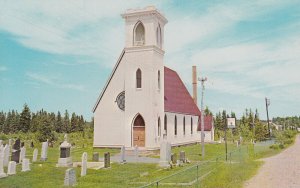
243,166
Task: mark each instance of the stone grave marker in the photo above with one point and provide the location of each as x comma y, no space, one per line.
6,155
96,156
25,165
65,160
182,156
44,151
16,151
22,154
136,153
123,160
106,160
174,158
83,164
31,145
11,170
70,177
165,154
35,155
2,174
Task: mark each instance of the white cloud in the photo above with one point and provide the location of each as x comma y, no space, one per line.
3,68
53,81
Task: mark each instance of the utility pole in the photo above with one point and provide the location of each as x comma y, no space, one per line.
267,105
202,116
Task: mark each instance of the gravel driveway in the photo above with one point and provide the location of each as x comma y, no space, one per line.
282,170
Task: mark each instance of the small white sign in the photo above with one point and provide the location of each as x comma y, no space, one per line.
230,123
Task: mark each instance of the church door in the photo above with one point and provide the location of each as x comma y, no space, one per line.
139,132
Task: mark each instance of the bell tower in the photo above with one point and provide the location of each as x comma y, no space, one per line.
144,27
144,76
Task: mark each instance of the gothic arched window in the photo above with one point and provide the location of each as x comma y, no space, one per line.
138,78
175,124
191,125
158,79
158,126
158,36
183,125
165,125
139,34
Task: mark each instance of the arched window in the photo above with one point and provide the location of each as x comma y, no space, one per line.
183,125
139,34
158,126
191,125
139,78
175,124
158,36
165,125
158,79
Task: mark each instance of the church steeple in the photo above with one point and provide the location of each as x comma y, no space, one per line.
144,27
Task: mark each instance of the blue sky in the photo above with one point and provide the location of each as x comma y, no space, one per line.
58,55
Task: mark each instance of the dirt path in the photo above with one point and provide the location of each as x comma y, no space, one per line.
282,170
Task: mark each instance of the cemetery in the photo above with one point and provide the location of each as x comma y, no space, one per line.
85,166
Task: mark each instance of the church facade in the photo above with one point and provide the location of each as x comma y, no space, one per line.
144,102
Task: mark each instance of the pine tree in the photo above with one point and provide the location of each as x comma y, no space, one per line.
66,123
59,123
2,121
8,120
25,119
73,123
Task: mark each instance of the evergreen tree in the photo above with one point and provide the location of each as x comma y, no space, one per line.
8,120
44,129
2,121
66,123
73,123
25,119
59,123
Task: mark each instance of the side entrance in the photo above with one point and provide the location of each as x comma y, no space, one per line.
139,131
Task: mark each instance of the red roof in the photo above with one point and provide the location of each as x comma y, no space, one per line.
177,97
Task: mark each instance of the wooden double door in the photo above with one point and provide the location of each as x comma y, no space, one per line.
139,132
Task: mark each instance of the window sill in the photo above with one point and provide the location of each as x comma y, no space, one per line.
138,89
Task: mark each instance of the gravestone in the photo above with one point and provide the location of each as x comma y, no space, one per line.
16,151
70,177
174,158
35,155
83,164
11,170
22,154
182,156
31,145
6,155
65,160
10,142
106,160
165,154
44,151
96,156
22,144
25,165
123,160
2,174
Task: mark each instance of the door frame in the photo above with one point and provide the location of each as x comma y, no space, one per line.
132,125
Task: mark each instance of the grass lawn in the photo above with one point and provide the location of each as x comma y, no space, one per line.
241,168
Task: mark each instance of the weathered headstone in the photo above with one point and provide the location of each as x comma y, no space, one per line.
83,164
35,155
2,174
70,177
174,158
16,151
22,154
65,160
31,145
25,165
165,154
96,156
6,155
123,160
11,170
182,156
44,151
106,160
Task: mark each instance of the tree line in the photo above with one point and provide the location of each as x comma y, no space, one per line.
249,126
41,122
287,122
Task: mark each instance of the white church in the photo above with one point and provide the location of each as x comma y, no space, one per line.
144,102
